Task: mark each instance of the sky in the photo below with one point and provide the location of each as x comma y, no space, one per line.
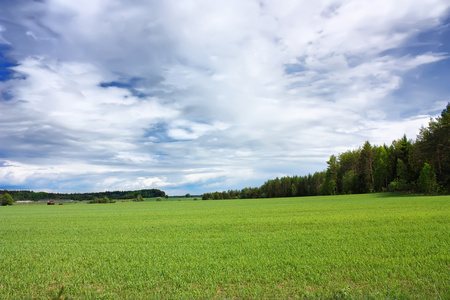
197,96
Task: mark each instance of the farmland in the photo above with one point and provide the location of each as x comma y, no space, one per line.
351,246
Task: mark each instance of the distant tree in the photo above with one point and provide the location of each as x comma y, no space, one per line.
333,166
293,190
427,180
365,177
348,182
380,172
402,175
403,149
218,196
315,182
188,195
101,200
7,199
347,162
285,183
329,186
255,192
276,188
139,198
400,183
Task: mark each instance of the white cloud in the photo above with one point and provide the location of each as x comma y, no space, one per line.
68,95
155,182
425,59
388,131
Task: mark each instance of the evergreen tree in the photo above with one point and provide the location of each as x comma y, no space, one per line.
365,169
293,190
427,180
329,187
380,172
401,182
315,181
349,182
285,187
347,162
403,149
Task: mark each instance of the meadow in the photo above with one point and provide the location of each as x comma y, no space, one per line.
367,246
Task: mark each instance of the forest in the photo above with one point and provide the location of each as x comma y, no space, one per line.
420,166
35,196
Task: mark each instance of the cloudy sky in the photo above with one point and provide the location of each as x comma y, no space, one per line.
199,95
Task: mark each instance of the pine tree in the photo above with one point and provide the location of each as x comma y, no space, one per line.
293,190
427,180
380,172
365,169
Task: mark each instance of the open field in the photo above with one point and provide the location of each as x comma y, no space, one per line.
357,246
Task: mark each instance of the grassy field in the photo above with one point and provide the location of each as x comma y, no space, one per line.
358,246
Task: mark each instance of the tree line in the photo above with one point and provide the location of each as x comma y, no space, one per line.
420,166
115,195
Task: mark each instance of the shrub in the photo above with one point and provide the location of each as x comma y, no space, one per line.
159,199
399,185
6,199
101,200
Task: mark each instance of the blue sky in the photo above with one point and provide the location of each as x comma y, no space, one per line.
199,96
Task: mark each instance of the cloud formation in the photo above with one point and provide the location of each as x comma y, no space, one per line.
196,96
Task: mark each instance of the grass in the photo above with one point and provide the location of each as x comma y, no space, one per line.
336,247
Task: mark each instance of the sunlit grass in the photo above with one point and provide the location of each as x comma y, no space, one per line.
360,246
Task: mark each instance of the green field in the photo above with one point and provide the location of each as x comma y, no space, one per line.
358,246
